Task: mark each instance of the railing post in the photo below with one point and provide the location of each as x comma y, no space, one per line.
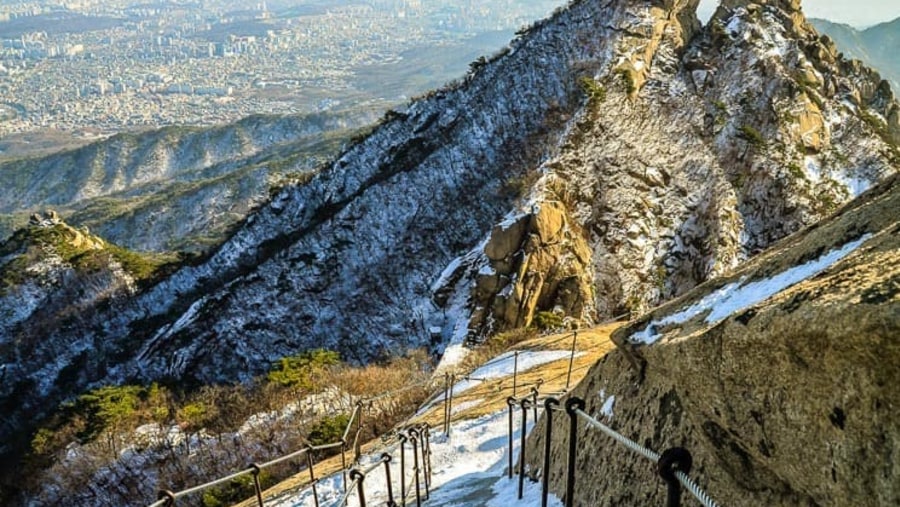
357,451
312,474
447,388
571,359
427,429
549,403
168,495
676,458
450,403
515,371
534,402
387,473
524,404
360,489
344,461
256,485
510,402
403,440
572,405
423,436
414,441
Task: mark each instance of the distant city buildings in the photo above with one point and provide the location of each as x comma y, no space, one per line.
114,65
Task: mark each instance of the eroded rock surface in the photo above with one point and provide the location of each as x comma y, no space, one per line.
785,400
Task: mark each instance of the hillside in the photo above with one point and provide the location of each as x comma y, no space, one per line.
876,45
615,156
780,377
177,188
61,274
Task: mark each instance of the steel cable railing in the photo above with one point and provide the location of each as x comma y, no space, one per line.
673,465
168,498
634,446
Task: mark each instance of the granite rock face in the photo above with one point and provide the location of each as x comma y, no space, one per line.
696,149
789,399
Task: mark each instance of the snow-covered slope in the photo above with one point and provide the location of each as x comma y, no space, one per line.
649,155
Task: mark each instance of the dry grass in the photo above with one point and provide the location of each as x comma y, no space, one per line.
372,380
592,344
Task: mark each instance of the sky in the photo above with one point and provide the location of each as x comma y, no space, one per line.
858,13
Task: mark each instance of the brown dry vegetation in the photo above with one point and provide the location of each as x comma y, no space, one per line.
103,422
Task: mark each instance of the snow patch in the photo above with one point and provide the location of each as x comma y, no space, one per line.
447,274
738,296
812,169
854,185
608,403
469,470
499,367
486,270
466,405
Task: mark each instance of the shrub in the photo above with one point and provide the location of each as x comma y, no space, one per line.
628,81
108,407
547,320
328,430
752,136
301,371
595,91
236,490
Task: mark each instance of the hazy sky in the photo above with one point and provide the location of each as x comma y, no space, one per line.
859,13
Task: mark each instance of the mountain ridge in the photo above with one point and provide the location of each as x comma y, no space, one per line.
111,185
872,45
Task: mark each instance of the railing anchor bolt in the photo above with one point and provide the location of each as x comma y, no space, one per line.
672,460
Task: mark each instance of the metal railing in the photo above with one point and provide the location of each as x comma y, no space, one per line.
673,465
168,498
451,378
418,436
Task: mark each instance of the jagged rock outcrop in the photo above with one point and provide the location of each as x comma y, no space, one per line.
717,148
537,260
646,184
780,378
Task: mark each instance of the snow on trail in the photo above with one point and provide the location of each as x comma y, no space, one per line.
469,470
738,296
502,366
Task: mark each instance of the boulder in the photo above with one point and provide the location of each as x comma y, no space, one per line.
538,262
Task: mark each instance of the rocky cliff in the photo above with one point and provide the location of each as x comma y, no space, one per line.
615,155
780,378
695,150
